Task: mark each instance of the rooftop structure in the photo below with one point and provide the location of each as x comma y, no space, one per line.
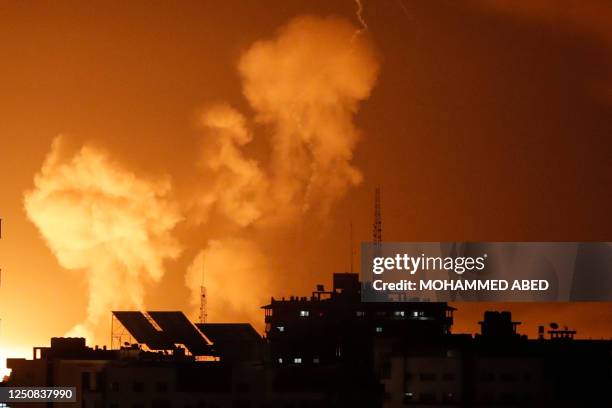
335,325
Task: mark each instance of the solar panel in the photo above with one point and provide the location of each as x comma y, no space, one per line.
220,333
233,341
143,331
182,331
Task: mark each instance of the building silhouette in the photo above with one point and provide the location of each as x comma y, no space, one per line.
335,326
327,349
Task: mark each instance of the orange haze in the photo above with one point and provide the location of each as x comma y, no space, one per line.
240,139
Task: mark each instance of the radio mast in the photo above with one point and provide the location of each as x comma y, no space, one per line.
377,226
203,312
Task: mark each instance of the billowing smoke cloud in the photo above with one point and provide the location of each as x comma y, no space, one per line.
304,87
239,186
237,278
103,220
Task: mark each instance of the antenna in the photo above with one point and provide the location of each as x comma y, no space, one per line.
351,249
203,314
377,226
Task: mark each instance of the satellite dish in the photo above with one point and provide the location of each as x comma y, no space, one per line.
554,326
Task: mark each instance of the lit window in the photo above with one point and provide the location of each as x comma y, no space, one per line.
297,360
281,328
378,329
399,313
316,360
304,313
360,313
280,361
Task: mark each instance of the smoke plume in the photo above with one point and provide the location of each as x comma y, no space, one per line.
239,185
105,221
237,277
304,87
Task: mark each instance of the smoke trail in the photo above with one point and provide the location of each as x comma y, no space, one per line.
405,9
359,13
105,221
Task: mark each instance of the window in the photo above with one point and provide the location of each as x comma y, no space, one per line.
161,387
316,360
360,313
408,396
280,361
281,328
138,386
418,313
399,313
378,329
297,360
114,386
304,313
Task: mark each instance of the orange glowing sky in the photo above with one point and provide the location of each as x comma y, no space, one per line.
479,120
